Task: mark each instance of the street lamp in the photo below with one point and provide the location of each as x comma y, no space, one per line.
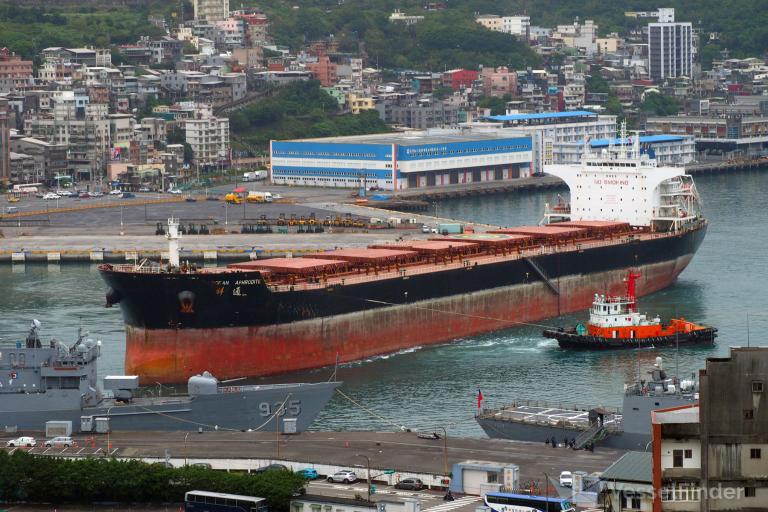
368,466
185,447
445,450
109,431
546,487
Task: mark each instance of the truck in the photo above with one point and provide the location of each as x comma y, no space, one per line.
233,198
259,197
255,175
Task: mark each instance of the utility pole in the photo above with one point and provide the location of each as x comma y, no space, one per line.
368,466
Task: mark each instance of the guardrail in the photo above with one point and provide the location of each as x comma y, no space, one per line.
91,206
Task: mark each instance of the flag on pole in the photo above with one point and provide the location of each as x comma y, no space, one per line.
479,399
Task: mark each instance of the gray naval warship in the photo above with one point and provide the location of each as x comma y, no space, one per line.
41,382
628,428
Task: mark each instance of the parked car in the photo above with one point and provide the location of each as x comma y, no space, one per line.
425,229
60,441
346,476
84,195
271,467
115,192
566,479
410,484
50,196
201,465
11,209
174,191
309,473
96,194
144,189
22,441
127,195
65,193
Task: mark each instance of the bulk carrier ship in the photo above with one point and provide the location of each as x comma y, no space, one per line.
283,314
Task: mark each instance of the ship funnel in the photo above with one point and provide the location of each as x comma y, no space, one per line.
659,363
173,237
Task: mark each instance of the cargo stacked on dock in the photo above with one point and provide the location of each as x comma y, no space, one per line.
271,316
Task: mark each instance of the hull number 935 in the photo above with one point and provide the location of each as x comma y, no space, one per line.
291,408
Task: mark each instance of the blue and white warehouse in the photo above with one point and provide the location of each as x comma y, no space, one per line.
396,161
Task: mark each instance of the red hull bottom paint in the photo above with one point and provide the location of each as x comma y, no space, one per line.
171,356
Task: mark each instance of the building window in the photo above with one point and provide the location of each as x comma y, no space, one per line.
493,478
677,458
688,454
749,492
757,386
749,414
755,453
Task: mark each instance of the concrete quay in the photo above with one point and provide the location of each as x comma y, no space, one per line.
403,452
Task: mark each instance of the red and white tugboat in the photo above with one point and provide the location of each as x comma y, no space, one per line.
614,323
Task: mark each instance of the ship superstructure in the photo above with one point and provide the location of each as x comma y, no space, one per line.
621,183
51,381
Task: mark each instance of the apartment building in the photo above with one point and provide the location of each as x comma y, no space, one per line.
211,10
209,138
714,455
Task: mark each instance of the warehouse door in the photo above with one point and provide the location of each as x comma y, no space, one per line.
473,479
515,171
431,179
413,180
475,175
454,177
498,173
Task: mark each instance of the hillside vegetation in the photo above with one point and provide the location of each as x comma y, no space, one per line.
303,110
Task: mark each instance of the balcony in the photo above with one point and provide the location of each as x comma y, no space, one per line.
690,474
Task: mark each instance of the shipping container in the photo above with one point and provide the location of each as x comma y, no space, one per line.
450,229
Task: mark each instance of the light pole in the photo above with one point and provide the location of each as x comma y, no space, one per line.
546,487
226,213
185,447
445,450
368,479
109,431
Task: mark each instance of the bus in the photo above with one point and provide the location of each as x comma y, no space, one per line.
26,188
509,502
206,501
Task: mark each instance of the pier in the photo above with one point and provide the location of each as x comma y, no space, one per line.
402,452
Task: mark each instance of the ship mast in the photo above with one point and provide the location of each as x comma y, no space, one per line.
173,237
632,290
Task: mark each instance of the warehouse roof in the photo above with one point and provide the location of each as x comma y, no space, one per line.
644,139
542,116
417,138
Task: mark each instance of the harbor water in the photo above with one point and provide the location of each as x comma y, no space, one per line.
437,386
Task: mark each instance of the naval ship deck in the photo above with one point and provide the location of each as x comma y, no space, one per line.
543,414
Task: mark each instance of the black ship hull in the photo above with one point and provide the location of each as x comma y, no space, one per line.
573,341
235,324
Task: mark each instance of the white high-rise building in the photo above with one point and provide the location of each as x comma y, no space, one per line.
209,138
514,25
211,10
670,50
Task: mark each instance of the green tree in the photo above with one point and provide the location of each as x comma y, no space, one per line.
659,105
